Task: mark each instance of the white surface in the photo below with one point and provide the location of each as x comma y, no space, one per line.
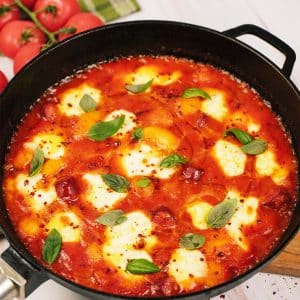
281,17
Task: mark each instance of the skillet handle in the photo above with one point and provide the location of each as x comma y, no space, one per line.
286,50
18,278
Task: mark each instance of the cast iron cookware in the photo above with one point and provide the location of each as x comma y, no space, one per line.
220,49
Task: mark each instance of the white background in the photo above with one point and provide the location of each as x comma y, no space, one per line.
282,18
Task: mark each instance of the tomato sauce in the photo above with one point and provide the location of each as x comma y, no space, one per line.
165,201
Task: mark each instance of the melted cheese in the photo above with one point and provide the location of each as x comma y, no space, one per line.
94,252
37,197
230,157
145,157
51,144
147,73
122,241
52,166
161,137
198,212
266,165
30,226
129,122
245,215
144,160
216,106
187,267
188,106
68,225
239,120
70,99
99,194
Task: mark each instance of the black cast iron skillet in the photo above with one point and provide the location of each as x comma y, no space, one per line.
157,38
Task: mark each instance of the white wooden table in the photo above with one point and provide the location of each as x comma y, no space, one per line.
281,17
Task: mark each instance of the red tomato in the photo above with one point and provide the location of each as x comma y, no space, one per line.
28,3
3,81
16,34
8,12
55,13
25,55
67,189
81,22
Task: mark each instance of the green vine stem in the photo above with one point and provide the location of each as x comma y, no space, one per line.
32,15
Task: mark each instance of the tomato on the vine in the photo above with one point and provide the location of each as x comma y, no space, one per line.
25,55
16,34
28,3
53,14
79,23
3,81
8,12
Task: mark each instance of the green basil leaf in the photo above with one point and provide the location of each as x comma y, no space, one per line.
192,241
103,130
143,182
87,103
172,160
195,92
141,266
255,147
242,136
116,182
36,162
52,246
221,214
138,88
137,133
112,218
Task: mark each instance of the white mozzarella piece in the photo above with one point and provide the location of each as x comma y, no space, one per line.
198,212
51,144
253,127
99,194
27,185
120,258
246,214
266,165
70,99
187,267
67,224
42,198
37,198
230,157
129,232
147,73
129,122
215,107
144,160
121,239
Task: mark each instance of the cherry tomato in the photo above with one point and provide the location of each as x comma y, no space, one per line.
16,34
25,55
80,22
8,12
54,14
28,3
3,81
67,189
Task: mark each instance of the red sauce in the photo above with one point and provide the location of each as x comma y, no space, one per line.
164,201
